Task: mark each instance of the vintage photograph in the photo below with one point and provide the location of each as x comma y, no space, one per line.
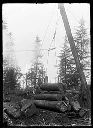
46,64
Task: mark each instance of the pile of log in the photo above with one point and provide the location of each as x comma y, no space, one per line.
14,110
52,98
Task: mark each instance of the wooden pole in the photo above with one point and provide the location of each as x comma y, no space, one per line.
73,49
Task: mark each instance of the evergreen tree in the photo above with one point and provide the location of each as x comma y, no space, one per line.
11,71
67,67
82,42
36,73
68,71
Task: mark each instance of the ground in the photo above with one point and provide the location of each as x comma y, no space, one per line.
45,117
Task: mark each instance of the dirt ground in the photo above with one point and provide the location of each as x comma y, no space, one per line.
49,118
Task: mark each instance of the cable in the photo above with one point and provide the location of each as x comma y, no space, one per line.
47,27
25,50
72,15
53,39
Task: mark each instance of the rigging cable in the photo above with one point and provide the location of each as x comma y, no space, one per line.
47,28
53,39
72,15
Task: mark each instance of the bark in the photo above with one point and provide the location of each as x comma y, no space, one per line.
82,112
51,92
84,92
25,103
58,106
12,109
52,87
50,97
76,106
28,107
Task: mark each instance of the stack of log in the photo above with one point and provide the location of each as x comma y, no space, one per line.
52,98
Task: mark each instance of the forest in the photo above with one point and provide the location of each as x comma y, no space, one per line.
30,100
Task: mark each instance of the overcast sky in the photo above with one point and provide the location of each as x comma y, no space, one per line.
26,21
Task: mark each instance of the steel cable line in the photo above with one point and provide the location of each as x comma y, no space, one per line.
72,15
53,39
47,27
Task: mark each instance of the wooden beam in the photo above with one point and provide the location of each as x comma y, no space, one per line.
72,44
84,88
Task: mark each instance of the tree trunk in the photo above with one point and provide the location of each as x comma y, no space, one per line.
51,92
50,97
75,55
12,109
58,106
52,87
28,107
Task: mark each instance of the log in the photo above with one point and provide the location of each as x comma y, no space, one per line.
6,120
29,96
12,109
82,112
12,98
52,87
25,103
58,106
28,107
51,92
50,97
75,105
30,111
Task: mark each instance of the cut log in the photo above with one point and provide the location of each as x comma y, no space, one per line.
12,109
75,105
52,87
28,107
58,106
12,98
30,111
51,92
82,112
25,104
6,120
50,97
